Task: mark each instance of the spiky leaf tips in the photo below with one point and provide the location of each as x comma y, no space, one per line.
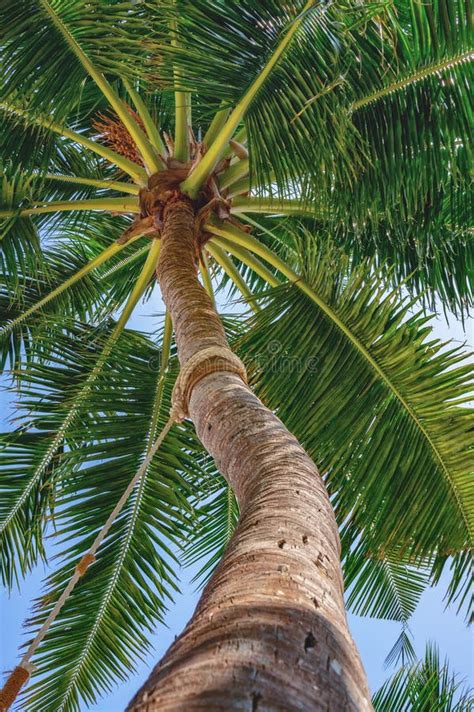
426,684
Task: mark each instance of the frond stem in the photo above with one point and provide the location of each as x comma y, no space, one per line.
206,277
126,261
141,284
233,173
165,358
419,75
217,123
114,205
273,207
150,126
240,187
247,258
182,104
119,186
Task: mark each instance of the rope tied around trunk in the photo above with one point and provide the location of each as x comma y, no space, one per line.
201,364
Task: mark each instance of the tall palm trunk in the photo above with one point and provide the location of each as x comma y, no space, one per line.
270,631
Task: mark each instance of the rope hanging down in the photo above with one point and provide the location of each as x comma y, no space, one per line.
203,363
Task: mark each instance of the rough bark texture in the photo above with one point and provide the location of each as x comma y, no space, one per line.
270,631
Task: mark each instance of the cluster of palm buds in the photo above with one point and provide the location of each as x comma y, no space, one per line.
112,131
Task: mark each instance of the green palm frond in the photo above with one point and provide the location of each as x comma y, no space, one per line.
20,314
402,650
25,146
376,385
425,685
40,124
97,296
28,489
19,242
62,411
412,106
388,587
253,38
378,587
26,212
104,626
106,38
461,583
432,259
38,153
29,473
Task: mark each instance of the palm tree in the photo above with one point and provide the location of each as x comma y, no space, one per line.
313,158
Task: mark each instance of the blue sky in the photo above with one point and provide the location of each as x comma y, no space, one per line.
374,638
